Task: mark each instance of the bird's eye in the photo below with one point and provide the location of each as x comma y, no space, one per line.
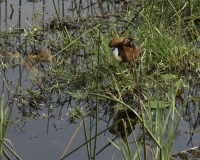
112,49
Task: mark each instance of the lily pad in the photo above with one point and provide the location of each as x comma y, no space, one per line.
157,104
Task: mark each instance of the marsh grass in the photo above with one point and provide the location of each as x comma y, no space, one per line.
83,72
4,121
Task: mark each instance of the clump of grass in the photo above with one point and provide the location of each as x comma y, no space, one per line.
4,122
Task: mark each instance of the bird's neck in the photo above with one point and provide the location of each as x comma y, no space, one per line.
116,55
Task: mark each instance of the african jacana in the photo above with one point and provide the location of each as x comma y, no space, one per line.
124,49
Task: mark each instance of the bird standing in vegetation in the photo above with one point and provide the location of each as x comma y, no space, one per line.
124,49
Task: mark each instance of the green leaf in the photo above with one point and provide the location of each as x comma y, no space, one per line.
118,106
78,95
166,77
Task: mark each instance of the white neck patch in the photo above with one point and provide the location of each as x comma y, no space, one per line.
115,53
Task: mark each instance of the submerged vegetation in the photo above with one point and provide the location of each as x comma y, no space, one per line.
70,67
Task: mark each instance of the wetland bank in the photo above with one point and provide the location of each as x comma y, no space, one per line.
64,94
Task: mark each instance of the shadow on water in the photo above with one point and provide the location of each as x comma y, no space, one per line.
52,64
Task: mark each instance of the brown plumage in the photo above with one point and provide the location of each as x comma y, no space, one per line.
126,49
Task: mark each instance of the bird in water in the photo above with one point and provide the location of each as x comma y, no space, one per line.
124,49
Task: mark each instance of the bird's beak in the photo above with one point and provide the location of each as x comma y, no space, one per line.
112,49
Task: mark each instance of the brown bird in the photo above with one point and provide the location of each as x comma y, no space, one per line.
124,49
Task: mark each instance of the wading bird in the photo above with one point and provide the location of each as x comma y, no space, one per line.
124,49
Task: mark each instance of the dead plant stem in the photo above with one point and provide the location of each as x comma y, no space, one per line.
141,109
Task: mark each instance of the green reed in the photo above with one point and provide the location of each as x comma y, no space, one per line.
4,122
